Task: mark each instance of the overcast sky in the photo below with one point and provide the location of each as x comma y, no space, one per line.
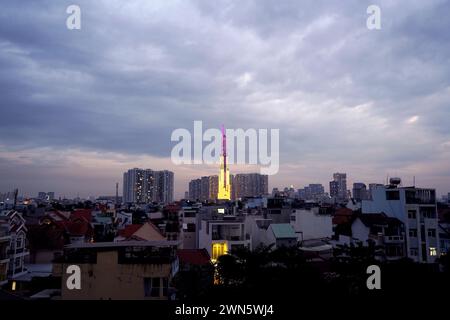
79,107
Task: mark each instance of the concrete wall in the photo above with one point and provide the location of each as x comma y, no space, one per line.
109,280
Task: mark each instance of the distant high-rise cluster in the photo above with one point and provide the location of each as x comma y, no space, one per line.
241,185
146,186
49,196
313,191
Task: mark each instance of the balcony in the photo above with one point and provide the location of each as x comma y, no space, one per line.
217,236
393,239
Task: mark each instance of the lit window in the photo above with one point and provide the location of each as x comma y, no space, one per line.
218,249
433,252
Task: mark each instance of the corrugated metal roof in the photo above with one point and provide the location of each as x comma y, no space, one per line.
283,230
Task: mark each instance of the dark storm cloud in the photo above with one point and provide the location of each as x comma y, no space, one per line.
138,70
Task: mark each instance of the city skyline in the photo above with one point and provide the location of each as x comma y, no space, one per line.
80,107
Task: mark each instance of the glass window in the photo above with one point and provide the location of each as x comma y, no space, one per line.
165,286
412,214
433,251
152,287
218,249
392,195
413,233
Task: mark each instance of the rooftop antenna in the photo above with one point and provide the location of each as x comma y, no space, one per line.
414,181
224,153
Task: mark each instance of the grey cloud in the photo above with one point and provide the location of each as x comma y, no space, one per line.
136,71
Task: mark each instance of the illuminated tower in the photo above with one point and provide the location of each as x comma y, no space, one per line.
224,176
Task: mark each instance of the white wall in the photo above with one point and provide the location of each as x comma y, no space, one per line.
311,224
360,231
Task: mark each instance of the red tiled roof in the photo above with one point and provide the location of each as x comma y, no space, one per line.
194,256
84,213
129,230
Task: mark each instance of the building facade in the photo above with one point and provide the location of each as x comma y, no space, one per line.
338,186
146,186
250,185
360,192
416,208
129,270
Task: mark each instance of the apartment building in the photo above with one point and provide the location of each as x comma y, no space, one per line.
416,208
128,270
218,235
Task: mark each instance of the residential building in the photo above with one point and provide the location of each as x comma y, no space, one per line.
416,208
146,186
135,270
164,186
281,235
189,230
360,192
250,185
17,248
218,235
140,232
5,240
313,191
386,233
311,224
338,187
204,189
195,189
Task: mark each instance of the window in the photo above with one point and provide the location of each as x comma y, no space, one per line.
412,214
433,252
428,213
432,233
218,249
191,227
165,286
392,195
414,252
152,286
19,243
413,233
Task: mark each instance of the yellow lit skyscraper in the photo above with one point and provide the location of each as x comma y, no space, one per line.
224,176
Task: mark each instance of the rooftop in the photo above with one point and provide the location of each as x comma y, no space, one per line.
162,243
283,230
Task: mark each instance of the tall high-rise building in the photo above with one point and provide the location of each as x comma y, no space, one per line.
146,186
224,189
164,186
360,192
205,188
214,187
338,186
250,185
195,187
